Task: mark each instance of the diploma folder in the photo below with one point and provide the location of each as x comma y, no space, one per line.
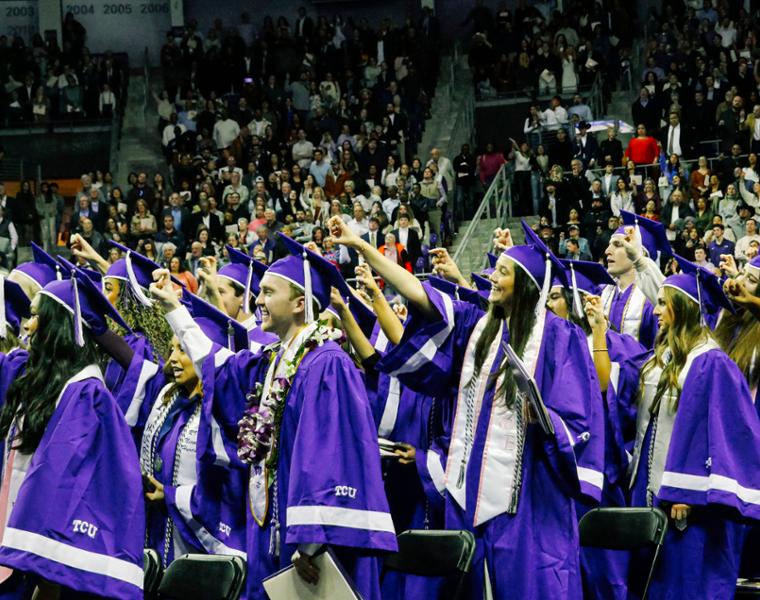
333,584
526,386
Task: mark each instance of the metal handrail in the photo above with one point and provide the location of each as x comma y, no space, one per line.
500,194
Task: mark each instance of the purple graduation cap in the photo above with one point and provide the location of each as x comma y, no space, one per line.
89,307
585,276
650,233
68,267
14,306
482,284
309,272
701,286
457,292
243,271
136,270
218,327
754,265
492,258
42,269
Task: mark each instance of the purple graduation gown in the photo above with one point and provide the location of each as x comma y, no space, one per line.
539,538
631,313
327,491
710,461
79,519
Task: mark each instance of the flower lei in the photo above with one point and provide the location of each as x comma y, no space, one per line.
260,426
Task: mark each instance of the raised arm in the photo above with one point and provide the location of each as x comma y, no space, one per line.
354,333
386,316
598,322
401,279
80,248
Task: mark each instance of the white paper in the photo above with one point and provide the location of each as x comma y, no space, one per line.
333,585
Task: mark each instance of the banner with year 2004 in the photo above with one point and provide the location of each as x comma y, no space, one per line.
19,18
123,26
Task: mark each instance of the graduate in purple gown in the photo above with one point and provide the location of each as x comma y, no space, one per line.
617,359
71,507
194,505
503,477
34,275
697,450
233,290
14,305
306,434
629,303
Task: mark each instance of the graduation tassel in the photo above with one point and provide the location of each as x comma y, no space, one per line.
230,336
139,294
702,320
247,294
577,306
3,324
78,332
309,308
58,274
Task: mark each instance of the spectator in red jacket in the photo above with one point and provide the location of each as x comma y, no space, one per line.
642,149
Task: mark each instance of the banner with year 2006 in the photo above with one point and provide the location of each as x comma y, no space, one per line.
19,18
123,26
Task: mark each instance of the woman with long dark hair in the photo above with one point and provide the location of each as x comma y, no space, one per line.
506,478
697,449
67,447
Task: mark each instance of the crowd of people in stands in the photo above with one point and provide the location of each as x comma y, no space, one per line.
43,82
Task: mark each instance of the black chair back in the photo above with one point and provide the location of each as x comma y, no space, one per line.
154,570
625,529
434,553
203,577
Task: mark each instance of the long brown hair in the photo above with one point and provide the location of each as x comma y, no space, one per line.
521,319
739,336
674,342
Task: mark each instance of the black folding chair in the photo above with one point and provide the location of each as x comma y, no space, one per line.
203,577
625,529
747,588
154,570
435,553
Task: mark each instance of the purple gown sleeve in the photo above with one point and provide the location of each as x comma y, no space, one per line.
12,365
79,518
335,489
714,454
649,327
429,356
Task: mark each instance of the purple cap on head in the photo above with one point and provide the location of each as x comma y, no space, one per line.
455,291
699,285
89,307
755,264
244,271
14,307
585,276
533,257
42,269
653,237
218,327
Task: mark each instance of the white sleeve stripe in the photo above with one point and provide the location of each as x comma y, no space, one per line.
148,370
71,556
337,516
217,440
704,483
591,476
434,467
388,420
210,543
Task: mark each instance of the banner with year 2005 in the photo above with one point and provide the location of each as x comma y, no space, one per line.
123,26
19,18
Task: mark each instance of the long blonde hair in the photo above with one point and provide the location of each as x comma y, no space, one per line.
673,344
739,336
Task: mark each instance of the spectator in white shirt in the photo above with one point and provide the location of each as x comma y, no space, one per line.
237,187
359,223
226,131
555,116
170,132
258,124
742,244
303,151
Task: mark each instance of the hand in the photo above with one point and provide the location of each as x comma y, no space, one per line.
737,293
313,247
209,265
157,495
680,512
163,290
445,266
407,455
306,568
82,249
502,239
401,311
595,312
342,234
337,301
728,265
632,248
365,278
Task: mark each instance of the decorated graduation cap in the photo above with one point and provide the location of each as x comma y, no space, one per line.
136,270
308,272
455,291
87,304
650,234
14,306
245,272
701,286
42,269
585,276
218,327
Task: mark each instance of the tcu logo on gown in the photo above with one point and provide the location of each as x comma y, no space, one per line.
84,527
345,490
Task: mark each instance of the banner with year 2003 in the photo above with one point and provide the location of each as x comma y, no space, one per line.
123,26
19,18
